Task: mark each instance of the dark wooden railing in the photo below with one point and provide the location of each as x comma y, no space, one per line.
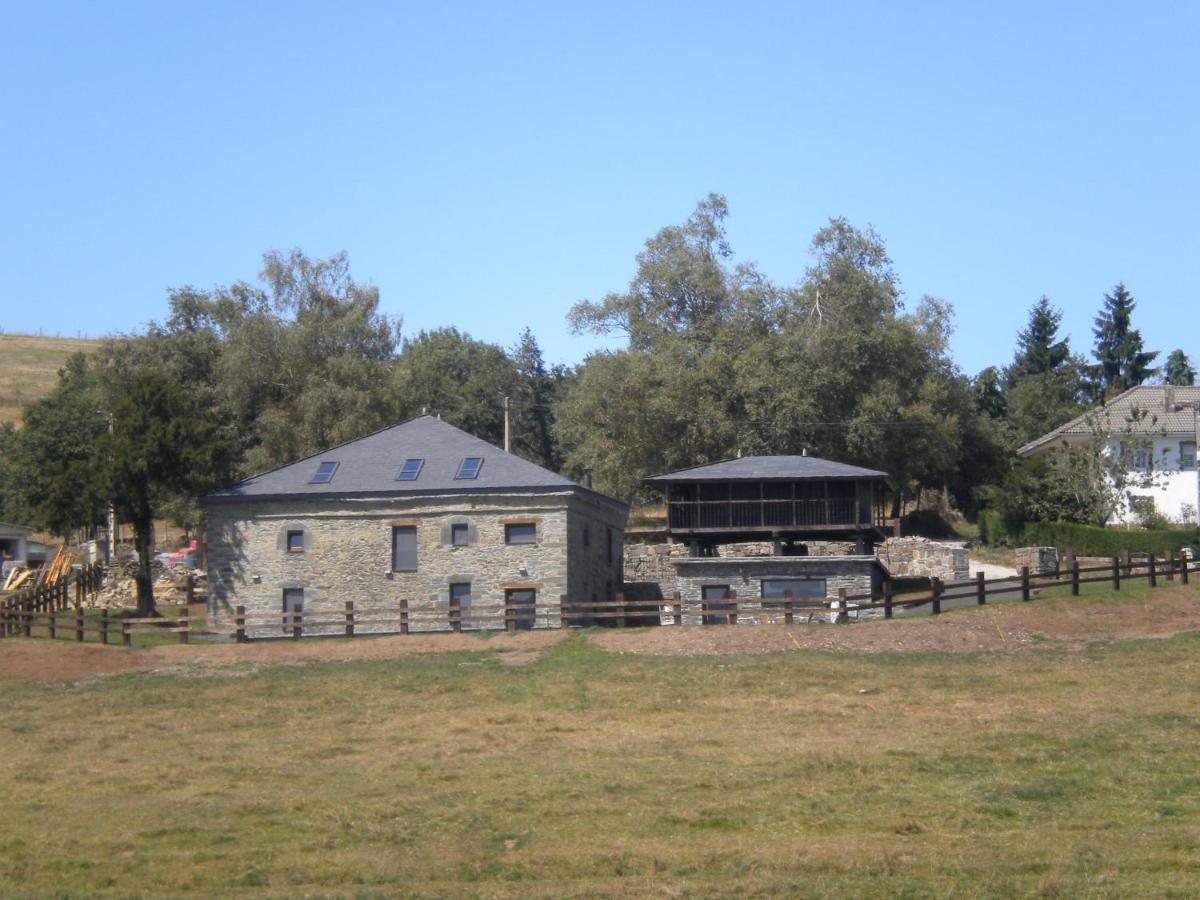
686,515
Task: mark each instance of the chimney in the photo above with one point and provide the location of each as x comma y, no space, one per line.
586,481
1169,397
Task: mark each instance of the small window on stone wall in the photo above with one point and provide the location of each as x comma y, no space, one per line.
523,533
460,535
295,542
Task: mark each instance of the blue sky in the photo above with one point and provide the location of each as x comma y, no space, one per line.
488,165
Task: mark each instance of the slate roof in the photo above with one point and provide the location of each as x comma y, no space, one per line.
769,468
368,467
1115,415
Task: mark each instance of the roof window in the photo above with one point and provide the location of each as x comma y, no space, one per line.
469,468
324,473
410,470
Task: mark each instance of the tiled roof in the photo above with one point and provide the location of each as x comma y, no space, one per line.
368,467
769,468
1155,415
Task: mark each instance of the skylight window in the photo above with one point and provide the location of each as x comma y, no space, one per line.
469,468
324,473
410,470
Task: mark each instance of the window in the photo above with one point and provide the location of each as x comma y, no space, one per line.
293,606
469,468
775,588
404,548
410,470
324,473
1187,454
521,533
295,542
460,535
715,613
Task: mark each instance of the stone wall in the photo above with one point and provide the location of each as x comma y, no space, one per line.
1041,560
745,576
918,557
348,546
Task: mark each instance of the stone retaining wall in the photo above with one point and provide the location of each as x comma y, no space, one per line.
918,557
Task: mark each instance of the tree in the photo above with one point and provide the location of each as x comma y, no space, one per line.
165,440
1122,362
450,374
1179,369
1039,350
532,413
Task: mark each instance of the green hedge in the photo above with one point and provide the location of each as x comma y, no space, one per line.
1085,540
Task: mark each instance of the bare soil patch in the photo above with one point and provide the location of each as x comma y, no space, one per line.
45,660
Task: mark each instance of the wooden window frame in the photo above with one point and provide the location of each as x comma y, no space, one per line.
463,529
508,532
416,567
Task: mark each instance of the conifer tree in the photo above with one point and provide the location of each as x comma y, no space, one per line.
1039,350
1122,361
1179,369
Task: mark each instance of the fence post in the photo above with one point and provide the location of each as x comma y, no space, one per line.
455,612
1024,582
731,613
104,625
28,616
1153,571
186,628
126,637
79,624
980,588
937,596
510,616
1170,566
843,615
349,618
240,622
404,615
887,599
620,598
1183,568
297,623
191,589
1070,560
1116,573
1127,563
787,608
52,624
1074,577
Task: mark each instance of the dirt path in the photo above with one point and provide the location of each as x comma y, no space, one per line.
1003,628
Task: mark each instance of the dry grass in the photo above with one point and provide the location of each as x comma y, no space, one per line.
29,368
592,773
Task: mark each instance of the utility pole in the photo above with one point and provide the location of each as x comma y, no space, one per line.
112,515
507,431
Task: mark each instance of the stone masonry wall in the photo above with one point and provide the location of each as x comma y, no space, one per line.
856,574
918,557
1041,560
347,556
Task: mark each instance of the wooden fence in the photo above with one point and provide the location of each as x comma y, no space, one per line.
42,612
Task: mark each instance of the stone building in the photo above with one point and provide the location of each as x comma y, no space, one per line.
421,512
763,528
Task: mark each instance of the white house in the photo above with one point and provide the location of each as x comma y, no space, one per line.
1155,428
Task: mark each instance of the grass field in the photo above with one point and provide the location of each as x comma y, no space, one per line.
29,368
577,771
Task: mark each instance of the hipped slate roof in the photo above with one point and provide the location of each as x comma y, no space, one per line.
769,468
1160,417
368,467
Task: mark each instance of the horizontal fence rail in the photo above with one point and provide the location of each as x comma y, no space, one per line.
56,610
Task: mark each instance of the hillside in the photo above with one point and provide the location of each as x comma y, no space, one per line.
29,366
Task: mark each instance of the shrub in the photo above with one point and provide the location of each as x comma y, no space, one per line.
1087,540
